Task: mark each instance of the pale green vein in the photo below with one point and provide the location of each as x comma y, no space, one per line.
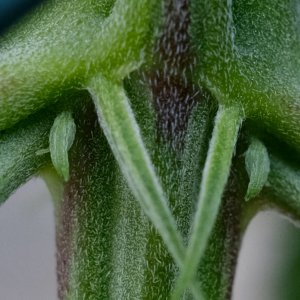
61,138
214,178
258,167
123,134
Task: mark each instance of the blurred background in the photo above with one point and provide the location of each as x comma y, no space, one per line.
27,245
267,269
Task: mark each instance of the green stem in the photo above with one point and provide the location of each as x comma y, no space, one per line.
282,189
33,71
215,175
85,41
129,247
283,186
217,267
123,134
18,147
85,227
125,36
212,33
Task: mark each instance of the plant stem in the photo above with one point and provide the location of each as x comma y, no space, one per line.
18,151
85,42
85,227
122,132
214,178
106,244
282,190
217,267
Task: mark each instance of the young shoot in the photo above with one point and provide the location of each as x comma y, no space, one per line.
61,138
258,167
